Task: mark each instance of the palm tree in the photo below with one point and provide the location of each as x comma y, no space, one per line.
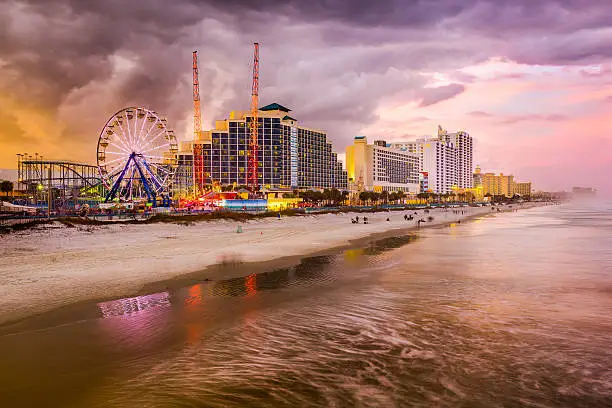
384,195
6,187
364,196
400,195
334,195
375,197
344,195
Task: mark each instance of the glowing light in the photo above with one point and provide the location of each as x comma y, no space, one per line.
251,284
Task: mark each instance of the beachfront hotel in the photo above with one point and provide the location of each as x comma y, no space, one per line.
379,167
461,141
445,162
522,188
290,155
438,160
500,185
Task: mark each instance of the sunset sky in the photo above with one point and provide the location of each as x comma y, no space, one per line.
531,81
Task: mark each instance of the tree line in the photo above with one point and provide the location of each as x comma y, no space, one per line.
6,187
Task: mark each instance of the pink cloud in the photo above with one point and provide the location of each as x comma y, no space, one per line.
533,118
480,114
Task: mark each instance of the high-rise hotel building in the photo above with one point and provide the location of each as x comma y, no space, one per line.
444,162
438,160
500,185
290,155
379,167
461,141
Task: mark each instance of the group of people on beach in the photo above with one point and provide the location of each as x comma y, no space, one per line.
356,220
407,217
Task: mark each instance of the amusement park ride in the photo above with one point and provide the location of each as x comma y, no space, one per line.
199,175
252,169
137,156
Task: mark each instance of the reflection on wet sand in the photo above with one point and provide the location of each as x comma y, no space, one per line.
131,305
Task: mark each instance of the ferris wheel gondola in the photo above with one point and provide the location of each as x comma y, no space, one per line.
137,155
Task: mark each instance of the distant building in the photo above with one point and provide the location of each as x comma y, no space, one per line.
584,191
506,185
462,141
410,147
447,160
497,185
477,178
522,189
290,155
490,184
423,181
378,167
501,185
439,160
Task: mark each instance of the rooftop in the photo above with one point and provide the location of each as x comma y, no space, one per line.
274,106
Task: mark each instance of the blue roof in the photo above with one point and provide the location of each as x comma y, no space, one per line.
274,106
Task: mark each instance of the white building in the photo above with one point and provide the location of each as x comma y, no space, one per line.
439,160
378,167
462,141
410,147
445,161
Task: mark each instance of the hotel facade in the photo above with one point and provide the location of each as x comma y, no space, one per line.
500,184
462,142
445,161
380,167
438,160
290,155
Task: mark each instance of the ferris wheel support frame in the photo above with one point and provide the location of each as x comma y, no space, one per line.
130,162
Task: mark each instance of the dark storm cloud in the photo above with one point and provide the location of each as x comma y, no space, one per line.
414,13
332,61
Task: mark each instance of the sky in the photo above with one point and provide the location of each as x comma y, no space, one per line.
531,81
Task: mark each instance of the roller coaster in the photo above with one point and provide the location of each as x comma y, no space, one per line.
136,162
68,180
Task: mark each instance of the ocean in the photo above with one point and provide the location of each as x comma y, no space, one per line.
509,310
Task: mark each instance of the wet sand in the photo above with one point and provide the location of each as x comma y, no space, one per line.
70,267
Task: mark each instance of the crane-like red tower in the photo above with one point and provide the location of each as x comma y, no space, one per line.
198,146
252,169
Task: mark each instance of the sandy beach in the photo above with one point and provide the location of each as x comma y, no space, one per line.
54,266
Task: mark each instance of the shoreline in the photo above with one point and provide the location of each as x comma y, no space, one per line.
56,296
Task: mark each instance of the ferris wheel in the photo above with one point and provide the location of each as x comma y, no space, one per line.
137,155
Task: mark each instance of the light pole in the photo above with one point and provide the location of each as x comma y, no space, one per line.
49,194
